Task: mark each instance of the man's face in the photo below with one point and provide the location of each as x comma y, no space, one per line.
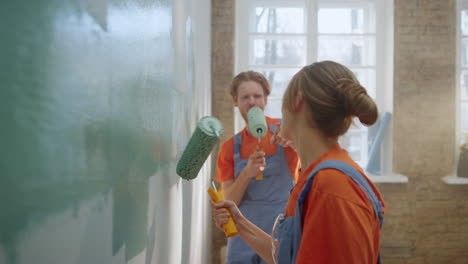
249,94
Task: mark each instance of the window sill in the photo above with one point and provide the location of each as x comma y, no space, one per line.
455,180
392,178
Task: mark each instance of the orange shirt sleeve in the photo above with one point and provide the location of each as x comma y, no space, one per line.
337,230
225,162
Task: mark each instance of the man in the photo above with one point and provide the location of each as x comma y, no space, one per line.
239,162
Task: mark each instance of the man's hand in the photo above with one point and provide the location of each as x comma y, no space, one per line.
255,164
278,139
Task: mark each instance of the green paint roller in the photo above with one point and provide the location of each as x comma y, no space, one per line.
199,147
257,127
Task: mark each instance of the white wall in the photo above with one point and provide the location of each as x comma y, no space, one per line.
124,84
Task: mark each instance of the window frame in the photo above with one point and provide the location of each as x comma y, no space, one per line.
461,5
383,57
454,179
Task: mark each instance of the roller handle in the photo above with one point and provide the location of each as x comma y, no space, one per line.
259,176
229,228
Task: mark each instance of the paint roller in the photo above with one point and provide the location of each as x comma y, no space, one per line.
258,128
199,147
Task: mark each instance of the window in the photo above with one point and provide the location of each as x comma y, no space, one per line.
279,37
462,92
461,172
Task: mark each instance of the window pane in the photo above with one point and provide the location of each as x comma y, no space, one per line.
464,51
367,79
279,80
359,51
279,52
464,117
279,20
273,108
464,85
345,20
355,142
464,22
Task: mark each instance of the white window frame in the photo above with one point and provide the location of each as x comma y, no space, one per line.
383,64
242,47
454,179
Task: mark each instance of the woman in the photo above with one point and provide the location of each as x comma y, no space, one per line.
334,213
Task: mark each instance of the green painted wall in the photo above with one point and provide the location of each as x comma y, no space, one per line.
87,107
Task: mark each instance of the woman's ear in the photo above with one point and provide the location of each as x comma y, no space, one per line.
298,102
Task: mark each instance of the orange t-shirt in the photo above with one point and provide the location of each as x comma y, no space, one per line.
248,146
339,225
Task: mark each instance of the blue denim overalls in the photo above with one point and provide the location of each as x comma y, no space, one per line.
289,230
262,201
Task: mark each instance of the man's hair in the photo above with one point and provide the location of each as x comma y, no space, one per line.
249,76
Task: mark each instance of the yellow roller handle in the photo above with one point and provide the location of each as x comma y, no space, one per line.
259,176
229,228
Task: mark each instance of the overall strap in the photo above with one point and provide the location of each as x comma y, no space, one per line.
272,128
237,146
351,172
292,226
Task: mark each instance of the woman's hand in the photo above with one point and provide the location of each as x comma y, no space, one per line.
221,215
278,139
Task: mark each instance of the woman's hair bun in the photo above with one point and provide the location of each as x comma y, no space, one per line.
356,101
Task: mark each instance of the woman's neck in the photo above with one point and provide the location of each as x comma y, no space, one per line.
311,144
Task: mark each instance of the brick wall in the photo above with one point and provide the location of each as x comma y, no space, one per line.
222,72
222,20
426,220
